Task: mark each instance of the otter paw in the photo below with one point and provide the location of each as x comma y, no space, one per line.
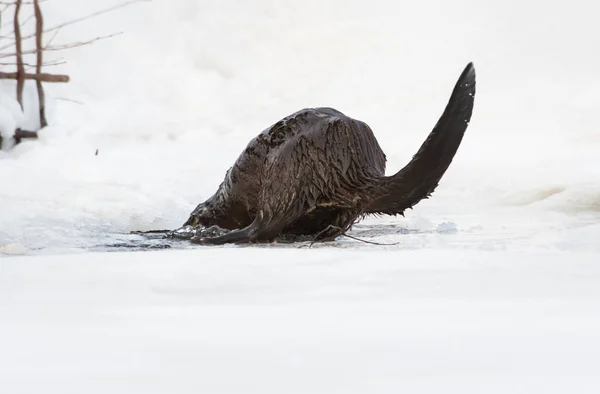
200,240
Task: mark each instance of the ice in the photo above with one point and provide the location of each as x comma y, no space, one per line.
491,285
250,320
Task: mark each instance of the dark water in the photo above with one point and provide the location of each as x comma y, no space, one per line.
385,234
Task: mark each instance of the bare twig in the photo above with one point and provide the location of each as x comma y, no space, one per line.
56,62
81,43
74,21
12,33
39,27
54,34
44,77
83,18
70,100
17,38
104,11
19,55
61,47
45,64
368,242
4,8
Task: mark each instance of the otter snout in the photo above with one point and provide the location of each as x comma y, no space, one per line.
196,215
192,221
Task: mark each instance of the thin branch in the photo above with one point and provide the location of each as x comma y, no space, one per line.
104,11
83,18
343,232
45,64
54,34
39,27
368,242
19,55
62,47
78,44
56,62
4,8
70,100
12,33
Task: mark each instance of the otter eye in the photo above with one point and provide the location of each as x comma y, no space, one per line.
200,209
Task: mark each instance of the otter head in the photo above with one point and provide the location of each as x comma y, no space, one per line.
201,216
231,205
208,214
220,210
215,210
212,212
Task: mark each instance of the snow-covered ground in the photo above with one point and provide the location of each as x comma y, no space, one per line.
302,321
489,286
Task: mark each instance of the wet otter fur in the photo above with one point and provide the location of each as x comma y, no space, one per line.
316,171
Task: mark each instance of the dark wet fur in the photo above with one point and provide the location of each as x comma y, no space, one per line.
317,171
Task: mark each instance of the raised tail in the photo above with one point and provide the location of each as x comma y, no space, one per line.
419,178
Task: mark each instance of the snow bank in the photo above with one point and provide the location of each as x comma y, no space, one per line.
251,320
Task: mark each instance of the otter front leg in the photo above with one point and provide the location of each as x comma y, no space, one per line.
282,198
235,236
265,227
189,232
273,215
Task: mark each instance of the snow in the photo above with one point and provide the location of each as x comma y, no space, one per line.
256,320
489,286
11,116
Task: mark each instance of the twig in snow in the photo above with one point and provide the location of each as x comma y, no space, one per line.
70,100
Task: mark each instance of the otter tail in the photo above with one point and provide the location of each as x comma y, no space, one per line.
419,178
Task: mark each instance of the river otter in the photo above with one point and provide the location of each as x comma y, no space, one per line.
316,171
